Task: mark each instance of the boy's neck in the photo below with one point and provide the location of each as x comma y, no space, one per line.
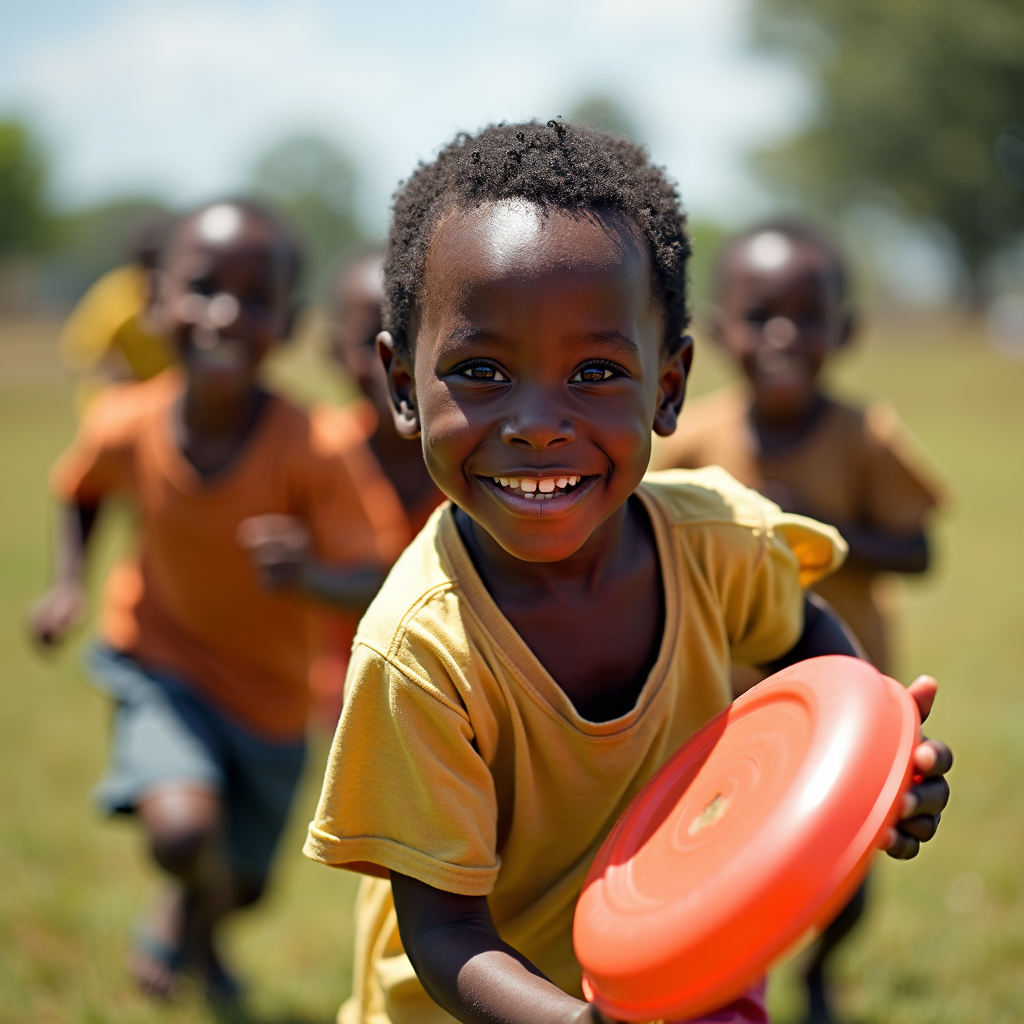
594,620
775,429
514,578
211,433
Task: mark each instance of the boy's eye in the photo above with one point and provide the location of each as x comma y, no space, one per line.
591,375
484,372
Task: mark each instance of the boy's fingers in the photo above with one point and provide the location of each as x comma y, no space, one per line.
902,847
922,828
933,757
927,797
923,690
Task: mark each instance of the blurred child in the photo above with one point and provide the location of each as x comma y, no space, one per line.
206,663
783,310
358,296
110,335
555,633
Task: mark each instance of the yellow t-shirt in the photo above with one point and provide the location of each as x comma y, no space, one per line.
459,760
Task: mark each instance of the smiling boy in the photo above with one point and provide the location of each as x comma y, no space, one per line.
555,633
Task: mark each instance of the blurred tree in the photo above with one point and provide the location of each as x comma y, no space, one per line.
314,184
24,218
923,98
600,111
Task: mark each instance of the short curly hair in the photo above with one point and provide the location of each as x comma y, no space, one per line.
571,166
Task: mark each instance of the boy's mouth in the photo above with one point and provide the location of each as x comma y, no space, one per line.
539,491
538,488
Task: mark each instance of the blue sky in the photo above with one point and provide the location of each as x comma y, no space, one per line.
178,98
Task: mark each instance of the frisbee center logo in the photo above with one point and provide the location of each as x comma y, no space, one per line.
715,809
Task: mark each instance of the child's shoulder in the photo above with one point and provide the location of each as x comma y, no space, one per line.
422,605
709,502
123,410
707,495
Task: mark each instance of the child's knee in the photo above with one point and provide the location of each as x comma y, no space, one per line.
181,822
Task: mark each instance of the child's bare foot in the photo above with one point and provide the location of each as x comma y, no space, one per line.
155,959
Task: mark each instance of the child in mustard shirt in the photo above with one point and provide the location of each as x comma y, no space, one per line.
782,312
206,664
562,626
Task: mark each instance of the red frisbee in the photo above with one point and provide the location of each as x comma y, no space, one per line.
755,831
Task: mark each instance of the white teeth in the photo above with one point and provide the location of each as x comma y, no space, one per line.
562,481
528,486
547,486
513,482
530,496
503,481
574,480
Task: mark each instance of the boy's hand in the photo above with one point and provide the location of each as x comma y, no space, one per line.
924,801
56,613
279,547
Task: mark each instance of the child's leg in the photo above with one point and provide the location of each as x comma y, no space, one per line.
819,1009
182,823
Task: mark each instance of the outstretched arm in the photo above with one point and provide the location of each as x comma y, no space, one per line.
466,967
62,607
923,803
279,547
887,552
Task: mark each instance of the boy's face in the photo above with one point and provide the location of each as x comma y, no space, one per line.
225,298
538,359
780,316
358,300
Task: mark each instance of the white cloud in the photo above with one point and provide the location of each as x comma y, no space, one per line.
180,95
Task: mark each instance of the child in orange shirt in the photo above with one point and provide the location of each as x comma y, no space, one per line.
208,663
401,471
783,310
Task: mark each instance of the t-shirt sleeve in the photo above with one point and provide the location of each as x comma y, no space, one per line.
405,788
100,459
900,491
761,573
354,514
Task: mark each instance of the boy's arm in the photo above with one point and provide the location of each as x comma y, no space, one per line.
887,552
279,546
465,966
923,803
62,607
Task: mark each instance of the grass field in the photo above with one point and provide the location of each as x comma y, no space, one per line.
944,940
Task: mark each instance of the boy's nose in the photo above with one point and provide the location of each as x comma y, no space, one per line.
537,429
780,332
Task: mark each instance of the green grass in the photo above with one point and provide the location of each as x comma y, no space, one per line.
944,939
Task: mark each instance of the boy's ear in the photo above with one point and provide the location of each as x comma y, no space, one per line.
675,369
401,386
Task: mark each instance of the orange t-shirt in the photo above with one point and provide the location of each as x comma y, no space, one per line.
190,601
334,629
851,466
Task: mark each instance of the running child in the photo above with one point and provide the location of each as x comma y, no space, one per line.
246,506
560,628
401,478
783,311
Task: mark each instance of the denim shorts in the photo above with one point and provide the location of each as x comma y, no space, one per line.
165,732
